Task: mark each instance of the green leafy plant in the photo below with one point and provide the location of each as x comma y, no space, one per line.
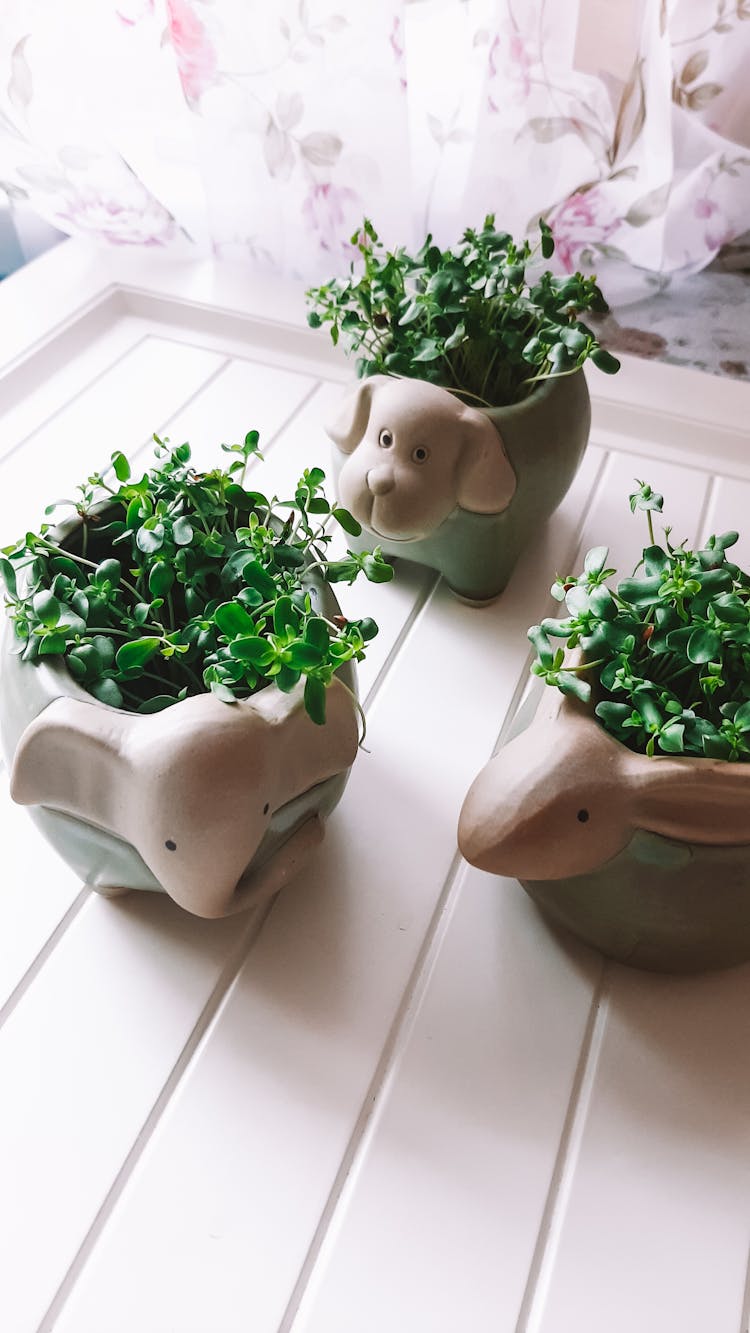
183,582
668,650
479,319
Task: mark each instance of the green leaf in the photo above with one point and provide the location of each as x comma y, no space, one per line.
107,692
52,644
655,560
542,645
286,678
121,466
8,576
703,645
316,632
429,350
377,570
137,653
303,655
150,539
315,700
157,703
109,571
160,579
182,532
672,738
222,692
232,619
640,593
572,685
347,521
46,608
604,360
285,616
288,557
255,576
253,648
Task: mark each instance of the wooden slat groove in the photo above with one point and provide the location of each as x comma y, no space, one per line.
49,946
414,991
208,1014
553,1217
74,397
345,1179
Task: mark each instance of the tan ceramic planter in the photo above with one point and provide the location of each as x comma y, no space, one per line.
645,859
453,487
217,804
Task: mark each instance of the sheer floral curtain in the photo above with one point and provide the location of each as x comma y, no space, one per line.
264,131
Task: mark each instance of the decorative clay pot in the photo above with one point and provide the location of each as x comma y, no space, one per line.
217,804
456,488
647,860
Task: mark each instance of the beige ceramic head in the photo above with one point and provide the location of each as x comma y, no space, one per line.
564,797
415,453
192,788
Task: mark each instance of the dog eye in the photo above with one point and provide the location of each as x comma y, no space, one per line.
385,439
420,454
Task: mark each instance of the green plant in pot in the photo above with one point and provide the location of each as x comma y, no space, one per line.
622,800
471,413
177,698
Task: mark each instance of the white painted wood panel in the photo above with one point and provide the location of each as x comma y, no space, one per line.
36,892
290,1067
37,1163
30,399
348,1117
499,1031
120,408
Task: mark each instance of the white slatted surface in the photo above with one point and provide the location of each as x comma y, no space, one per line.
395,1100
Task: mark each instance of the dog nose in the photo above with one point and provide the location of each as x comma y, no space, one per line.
381,479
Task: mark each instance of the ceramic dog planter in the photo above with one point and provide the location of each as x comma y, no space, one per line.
647,860
457,488
217,804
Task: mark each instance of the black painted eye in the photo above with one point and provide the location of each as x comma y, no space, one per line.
583,816
420,454
170,845
265,808
385,439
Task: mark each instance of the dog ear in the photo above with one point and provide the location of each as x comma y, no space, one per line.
486,480
350,422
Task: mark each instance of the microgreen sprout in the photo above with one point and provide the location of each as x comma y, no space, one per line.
665,654
185,581
481,318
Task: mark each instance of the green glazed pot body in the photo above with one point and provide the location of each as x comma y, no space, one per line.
661,904
544,439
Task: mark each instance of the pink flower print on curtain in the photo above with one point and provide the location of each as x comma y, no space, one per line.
139,221
581,221
196,57
332,212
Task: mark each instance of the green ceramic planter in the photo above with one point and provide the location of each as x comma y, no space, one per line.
647,860
216,804
478,525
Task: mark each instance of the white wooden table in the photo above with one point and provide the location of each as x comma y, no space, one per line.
395,1102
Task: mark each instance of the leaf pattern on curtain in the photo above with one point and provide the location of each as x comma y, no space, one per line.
265,132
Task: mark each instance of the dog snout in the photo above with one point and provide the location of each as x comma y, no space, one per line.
381,479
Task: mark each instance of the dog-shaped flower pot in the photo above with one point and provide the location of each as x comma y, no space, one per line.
647,860
218,804
456,488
